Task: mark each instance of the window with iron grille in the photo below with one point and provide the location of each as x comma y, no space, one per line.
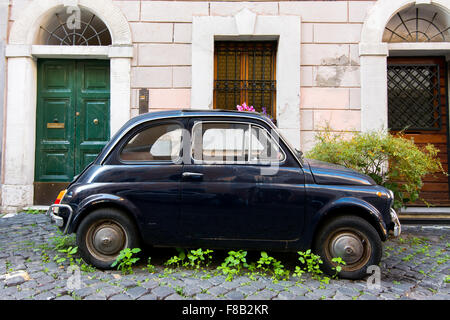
245,72
414,97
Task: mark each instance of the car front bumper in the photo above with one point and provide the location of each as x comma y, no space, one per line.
397,230
54,213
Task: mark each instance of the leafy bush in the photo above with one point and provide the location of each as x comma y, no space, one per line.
392,161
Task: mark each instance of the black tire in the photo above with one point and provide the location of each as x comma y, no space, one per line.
103,233
341,235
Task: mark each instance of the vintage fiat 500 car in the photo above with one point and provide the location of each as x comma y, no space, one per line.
222,179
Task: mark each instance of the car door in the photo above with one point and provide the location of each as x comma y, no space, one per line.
227,194
146,173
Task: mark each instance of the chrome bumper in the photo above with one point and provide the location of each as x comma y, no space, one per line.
53,212
397,227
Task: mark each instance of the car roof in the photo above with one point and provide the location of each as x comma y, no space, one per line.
194,113
175,114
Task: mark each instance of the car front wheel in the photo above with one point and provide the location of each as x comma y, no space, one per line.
354,240
102,234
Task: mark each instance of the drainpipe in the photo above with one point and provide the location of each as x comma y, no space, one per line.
4,18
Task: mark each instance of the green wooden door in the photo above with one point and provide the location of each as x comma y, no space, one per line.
72,116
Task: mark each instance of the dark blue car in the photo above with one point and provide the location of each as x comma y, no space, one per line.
222,179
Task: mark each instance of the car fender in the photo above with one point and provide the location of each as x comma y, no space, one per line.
372,212
101,201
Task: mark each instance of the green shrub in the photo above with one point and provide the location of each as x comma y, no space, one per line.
394,162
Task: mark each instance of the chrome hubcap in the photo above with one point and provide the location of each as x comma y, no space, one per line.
108,239
347,246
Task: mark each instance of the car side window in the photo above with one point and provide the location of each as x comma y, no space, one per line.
234,143
157,143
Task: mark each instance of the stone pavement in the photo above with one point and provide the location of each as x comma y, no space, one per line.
414,266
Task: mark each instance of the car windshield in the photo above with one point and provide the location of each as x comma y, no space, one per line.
297,153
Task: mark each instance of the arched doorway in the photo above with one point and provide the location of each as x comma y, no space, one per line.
61,54
73,98
418,90
404,51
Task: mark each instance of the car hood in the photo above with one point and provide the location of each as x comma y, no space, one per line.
332,174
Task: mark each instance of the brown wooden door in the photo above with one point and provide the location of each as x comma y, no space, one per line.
417,95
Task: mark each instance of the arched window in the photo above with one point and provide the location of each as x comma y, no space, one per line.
73,26
418,23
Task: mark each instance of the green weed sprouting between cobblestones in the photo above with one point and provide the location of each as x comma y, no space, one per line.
311,264
69,252
125,260
35,211
150,267
236,261
193,259
233,264
199,257
63,241
269,265
65,246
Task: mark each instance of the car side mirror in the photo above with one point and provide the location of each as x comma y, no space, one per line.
299,153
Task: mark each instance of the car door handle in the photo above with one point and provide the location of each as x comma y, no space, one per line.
192,176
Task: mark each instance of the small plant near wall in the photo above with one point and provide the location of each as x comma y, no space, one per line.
394,162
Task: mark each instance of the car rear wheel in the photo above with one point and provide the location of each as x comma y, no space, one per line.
354,240
103,233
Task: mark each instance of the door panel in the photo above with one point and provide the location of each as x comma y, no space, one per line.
72,116
236,202
219,205
96,120
55,123
92,125
232,197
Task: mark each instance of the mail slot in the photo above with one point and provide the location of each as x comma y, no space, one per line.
55,125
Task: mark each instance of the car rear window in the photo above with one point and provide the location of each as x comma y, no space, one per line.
157,143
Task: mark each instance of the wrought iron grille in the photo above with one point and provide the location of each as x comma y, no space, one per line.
414,101
91,32
245,72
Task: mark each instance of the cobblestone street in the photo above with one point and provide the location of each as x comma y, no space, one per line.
414,266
